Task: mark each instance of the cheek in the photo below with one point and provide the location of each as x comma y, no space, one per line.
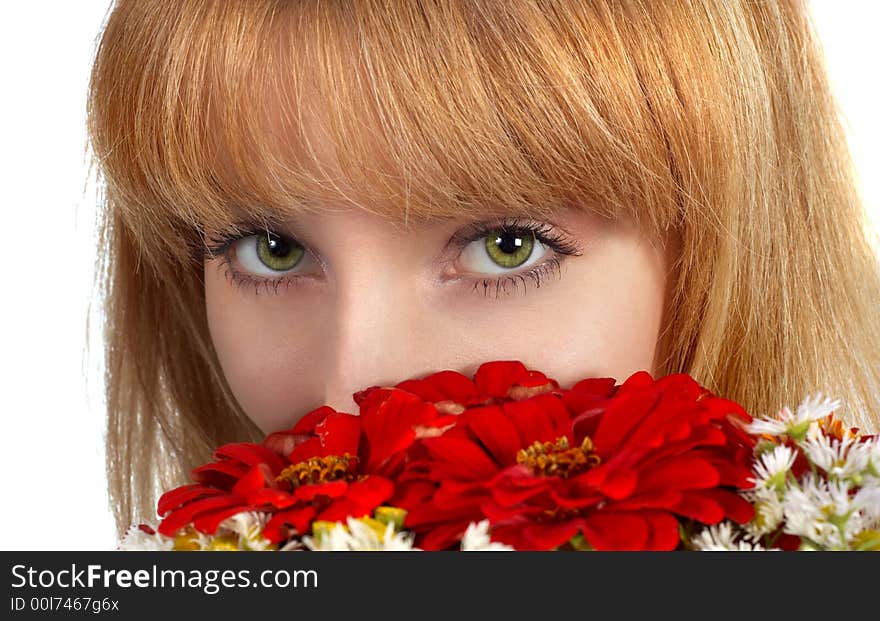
620,313
260,354
620,310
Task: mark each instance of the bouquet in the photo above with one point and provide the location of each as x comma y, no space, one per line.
509,460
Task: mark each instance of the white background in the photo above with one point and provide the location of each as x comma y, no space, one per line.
53,487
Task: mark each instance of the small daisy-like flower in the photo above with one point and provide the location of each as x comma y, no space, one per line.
872,469
840,459
476,539
773,467
768,512
359,535
794,425
822,513
723,538
247,527
144,537
867,502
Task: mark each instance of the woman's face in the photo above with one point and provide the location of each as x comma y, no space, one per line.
343,300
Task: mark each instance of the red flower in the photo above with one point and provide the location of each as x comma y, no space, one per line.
619,465
337,465
494,382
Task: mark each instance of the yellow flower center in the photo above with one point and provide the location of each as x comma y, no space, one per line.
187,540
318,470
558,458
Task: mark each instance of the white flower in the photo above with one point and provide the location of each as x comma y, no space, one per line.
771,469
768,512
794,425
360,536
136,539
294,545
476,539
840,459
867,502
247,527
872,449
822,512
722,538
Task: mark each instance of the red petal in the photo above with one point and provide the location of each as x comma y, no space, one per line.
679,473
623,414
586,423
512,532
497,433
664,531
306,448
299,518
337,434
250,454
209,521
333,489
608,530
361,396
494,379
515,485
699,507
390,426
732,470
551,535
589,392
283,442
655,499
427,516
441,386
342,508
635,383
181,517
256,478
735,506
665,413
274,497
410,493
460,458
184,494
455,495
540,419
443,536
147,529
220,473
371,491
308,422
497,513
613,481
700,436
569,497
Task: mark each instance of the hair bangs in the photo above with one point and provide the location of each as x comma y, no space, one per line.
436,111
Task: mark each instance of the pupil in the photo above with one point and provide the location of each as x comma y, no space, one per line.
278,247
509,243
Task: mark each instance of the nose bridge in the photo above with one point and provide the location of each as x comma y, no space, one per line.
368,327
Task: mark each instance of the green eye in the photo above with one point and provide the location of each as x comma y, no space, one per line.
509,249
277,253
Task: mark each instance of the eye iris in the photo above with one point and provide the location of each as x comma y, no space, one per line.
509,249
278,253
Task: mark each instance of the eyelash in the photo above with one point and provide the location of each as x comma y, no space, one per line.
561,245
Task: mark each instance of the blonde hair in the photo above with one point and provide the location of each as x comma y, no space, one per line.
710,118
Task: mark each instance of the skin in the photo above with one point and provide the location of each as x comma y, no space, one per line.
376,304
